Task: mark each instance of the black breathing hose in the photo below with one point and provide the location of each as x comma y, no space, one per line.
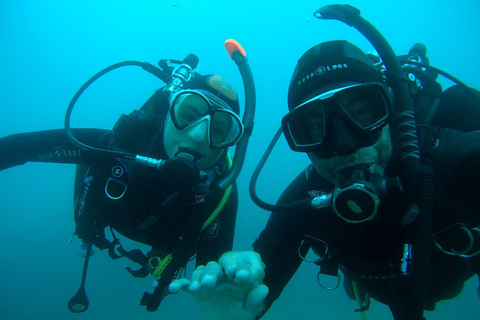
298,205
144,65
407,143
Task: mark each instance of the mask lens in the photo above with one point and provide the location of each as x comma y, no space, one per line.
366,107
225,129
188,108
306,126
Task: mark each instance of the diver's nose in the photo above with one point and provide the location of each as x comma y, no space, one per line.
199,131
343,137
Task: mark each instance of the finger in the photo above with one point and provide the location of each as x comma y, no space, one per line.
255,299
195,285
245,267
212,273
179,284
257,268
250,269
243,272
228,261
255,260
197,274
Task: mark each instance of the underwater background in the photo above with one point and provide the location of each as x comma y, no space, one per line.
49,49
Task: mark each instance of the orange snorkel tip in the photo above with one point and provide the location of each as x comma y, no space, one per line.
232,46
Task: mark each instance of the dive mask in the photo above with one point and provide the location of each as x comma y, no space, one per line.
363,109
188,107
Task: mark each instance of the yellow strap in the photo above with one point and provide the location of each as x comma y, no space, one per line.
359,300
224,199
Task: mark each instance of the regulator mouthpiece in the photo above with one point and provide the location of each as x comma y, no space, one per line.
181,172
356,199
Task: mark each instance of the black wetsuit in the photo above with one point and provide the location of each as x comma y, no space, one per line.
150,210
370,252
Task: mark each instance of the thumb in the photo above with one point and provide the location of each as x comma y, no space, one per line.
255,299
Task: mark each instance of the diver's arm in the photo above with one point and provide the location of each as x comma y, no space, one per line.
457,166
218,237
49,146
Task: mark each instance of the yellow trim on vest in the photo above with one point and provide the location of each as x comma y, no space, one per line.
224,199
359,299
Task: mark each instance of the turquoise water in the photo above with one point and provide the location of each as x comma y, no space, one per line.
48,49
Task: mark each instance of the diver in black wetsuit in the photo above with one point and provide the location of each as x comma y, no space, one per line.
175,204
343,121
401,231
154,206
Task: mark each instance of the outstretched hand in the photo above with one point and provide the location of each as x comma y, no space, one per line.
230,289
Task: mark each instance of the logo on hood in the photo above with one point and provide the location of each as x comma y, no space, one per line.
321,71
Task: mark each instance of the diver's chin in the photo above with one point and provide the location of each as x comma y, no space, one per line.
376,157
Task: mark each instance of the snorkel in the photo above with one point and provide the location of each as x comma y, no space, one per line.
416,270
174,82
238,55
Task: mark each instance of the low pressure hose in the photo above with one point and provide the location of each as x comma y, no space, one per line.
144,65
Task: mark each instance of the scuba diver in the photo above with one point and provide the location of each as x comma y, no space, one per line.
391,198
162,176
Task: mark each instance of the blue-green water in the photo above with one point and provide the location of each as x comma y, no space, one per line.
48,49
